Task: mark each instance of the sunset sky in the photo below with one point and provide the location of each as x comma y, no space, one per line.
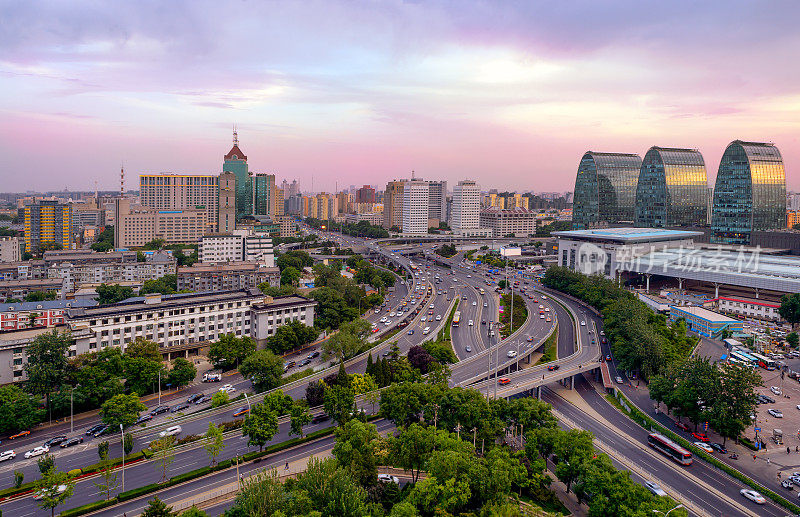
507,93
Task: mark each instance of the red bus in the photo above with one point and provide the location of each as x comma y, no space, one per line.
669,448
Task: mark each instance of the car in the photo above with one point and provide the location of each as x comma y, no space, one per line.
468,349
94,429
583,323
378,311
474,304
159,409
318,419
767,399
719,448
655,488
753,496
776,390
681,425
485,304
383,320
179,407
304,362
548,320
552,367
7,455
19,435
144,418
702,445
777,413
503,380
608,358
242,411
387,478
171,431
438,317
55,441
289,364
37,451
52,491
374,329
411,332
471,323
788,484
228,388
703,437
483,322
541,316
193,398
392,314
103,430
511,353
202,399
75,440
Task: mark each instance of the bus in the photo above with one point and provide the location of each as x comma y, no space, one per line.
456,318
669,448
743,358
764,361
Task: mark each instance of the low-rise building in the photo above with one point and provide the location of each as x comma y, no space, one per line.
48,313
519,222
373,218
237,246
749,308
78,269
703,321
221,277
19,289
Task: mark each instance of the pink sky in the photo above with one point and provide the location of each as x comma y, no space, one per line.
507,93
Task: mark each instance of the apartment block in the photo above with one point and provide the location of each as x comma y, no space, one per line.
136,226
10,249
224,277
415,207
48,222
520,222
168,191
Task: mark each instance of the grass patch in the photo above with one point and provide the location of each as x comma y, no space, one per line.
550,350
296,376
520,311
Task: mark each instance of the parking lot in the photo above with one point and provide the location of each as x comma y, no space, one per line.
789,423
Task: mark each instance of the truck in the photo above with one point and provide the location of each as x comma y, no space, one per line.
212,376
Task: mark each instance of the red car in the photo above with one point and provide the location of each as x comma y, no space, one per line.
700,436
19,435
553,367
503,380
681,425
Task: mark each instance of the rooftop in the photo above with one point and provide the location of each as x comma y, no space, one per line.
628,235
704,314
227,267
46,305
283,301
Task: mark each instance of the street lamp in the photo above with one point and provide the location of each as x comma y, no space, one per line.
668,512
121,432
71,414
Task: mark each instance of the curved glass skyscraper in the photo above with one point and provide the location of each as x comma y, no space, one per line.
605,189
750,193
672,189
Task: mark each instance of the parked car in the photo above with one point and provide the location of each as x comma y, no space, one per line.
170,431
787,484
75,440
7,455
777,413
753,496
719,448
776,390
37,451
55,441
701,436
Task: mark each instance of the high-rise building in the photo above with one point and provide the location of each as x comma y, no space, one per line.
168,191
466,209
605,189
437,197
365,194
279,203
672,189
236,162
10,249
415,207
750,192
136,226
47,222
226,218
264,194
393,204
343,201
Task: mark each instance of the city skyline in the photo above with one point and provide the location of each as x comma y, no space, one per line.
367,95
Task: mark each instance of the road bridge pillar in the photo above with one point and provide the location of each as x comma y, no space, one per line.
571,382
539,392
597,375
648,283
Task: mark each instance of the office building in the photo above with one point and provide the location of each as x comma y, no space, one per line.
167,191
605,189
415,208
373,218
240,245
279,209
672,189
264,194
136,226
236,162
226,218
48,222
10,249
750,192
437,201
466,207
519,222
365,194
224,277
84,217
792,219
393,204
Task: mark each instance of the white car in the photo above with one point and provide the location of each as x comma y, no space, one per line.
424,318
383,320
378,310
387,478
170,431
7,455
471,323
392,314
474,304
53,490
541,316
388,322
753,496
228,388
511,353
485,304
583,324
618,379
706,447
776,390
37,451
777,413
438,317
655,488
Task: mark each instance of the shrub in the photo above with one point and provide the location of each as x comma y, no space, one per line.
136,492
87,508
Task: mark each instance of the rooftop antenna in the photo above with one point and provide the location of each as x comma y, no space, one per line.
412,174
122,180
235,136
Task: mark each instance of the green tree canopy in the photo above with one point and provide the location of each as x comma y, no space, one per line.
229,351
260,425
121,409
264,369
112,293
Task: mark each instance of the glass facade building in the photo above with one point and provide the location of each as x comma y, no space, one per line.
605,189
236,162
672,189
750,192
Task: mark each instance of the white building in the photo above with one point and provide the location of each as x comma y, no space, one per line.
437,200
415,207
520,222
465,212
9,249
749,308
237,246
259,248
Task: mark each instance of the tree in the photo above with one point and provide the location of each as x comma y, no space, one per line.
142,374
290,276
107,481
299,417
163,454
354,450
112,293
573,448
45,463
260,426
47,362
339,402
215,442
154,245
18,410
264,369
412,448
142,348
40,296
104,241
183,372
419,358
158,508
349,341
790,308
229,351
167,284
193,512
315,393
48,487
260,494
121,409
102,449
219,398
19,478
127,443
792,339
